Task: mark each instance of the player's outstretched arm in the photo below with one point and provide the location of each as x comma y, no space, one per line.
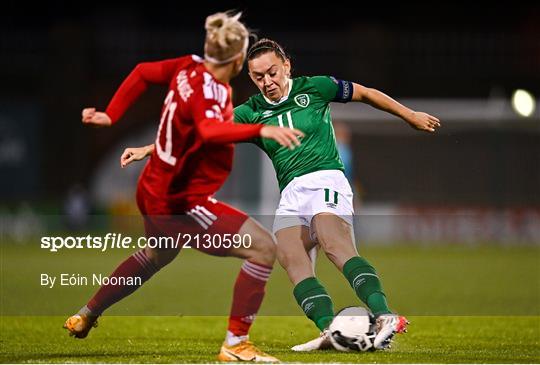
287,137
135,154
92,117
216,132
417,120
133,86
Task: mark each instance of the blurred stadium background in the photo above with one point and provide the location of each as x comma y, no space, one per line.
476,180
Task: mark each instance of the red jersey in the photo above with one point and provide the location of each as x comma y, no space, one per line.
193,148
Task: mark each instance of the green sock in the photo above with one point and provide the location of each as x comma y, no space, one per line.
315,302
365,282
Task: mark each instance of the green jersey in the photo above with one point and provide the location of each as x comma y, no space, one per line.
305,108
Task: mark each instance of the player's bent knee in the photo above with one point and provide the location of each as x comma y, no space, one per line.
160,257
339,255
288,259
298,267
263,251
284,259
262,247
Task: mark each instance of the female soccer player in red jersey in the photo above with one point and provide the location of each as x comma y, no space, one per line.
192,158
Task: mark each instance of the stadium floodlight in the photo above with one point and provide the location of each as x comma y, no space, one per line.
523,103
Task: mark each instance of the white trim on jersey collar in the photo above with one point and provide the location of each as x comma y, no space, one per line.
283,98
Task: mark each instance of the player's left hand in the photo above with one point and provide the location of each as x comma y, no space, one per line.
92,117
423,122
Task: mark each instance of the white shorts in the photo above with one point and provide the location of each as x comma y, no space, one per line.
325,191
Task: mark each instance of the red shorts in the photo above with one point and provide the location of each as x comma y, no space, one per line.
203,222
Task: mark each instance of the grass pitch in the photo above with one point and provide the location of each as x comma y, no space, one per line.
466,305
197,339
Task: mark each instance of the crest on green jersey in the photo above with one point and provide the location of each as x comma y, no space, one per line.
302,100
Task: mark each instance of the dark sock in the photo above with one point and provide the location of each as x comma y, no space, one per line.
312,297
365,282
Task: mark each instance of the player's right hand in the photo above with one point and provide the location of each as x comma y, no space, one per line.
135,154
287,137
99,119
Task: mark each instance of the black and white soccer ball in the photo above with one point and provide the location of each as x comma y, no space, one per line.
353,329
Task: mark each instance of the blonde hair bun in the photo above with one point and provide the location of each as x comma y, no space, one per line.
225,35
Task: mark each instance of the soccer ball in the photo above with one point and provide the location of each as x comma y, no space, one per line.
353,329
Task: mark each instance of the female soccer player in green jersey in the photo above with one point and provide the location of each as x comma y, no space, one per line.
316,198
